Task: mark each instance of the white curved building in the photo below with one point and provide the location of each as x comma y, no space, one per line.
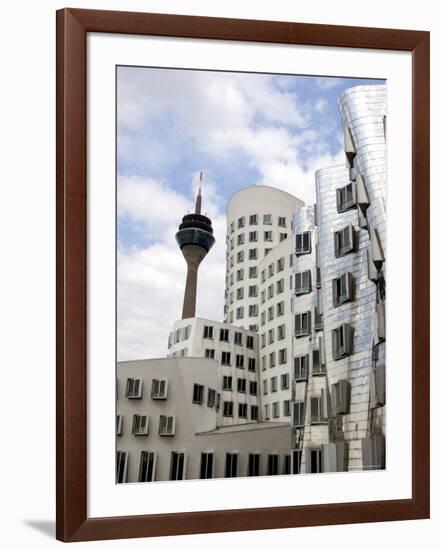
258,219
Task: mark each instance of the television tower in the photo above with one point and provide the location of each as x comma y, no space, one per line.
195,239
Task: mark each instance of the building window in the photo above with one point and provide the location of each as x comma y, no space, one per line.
253,219
147,466
263,340
267,219
243,410
239,313
302,282
282,222
267,236
121,466
296,461
225,358
264,362
240,240
342,341
270,291
265,387
318,319
227,384
373,452
211,399
283,236
280,264
207,462
344,241
346,197
318,277
241,222
239,275
318,368
263,276
240,256
251,364
252,310
262,297
232,227
253,464
254,412
238,338
252,236
224,335
301,367
252,254
343,289
340,397
287,464
208,331
280,308
177,464
270,270
140,425
159,389
119,424
239,293
241,385
271,336
167,425
253,387
318,414
231,297
252,291
303,243
302,324
231,464
273,384
299,413
253,328
198,394
228,408
280,285
315,461
134,388
282,356
377,387
272,359
209,353
273,465
284,382
252,272
280,332
287,408
250,342
276,410
263,318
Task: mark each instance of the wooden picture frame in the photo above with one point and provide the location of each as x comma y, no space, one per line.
73,524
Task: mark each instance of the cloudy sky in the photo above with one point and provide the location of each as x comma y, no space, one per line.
240,129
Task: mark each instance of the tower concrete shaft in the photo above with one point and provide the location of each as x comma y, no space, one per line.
195,239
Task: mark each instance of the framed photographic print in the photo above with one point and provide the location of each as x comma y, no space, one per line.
237,202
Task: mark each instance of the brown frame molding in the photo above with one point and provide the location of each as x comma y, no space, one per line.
72,28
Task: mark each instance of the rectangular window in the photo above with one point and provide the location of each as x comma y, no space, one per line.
147,466
263,276
211,399
315,459
134,388
280,264
343,289
301,368
267,219
241,222
284,381
240,361
280,286
280,332
140,425
270,270
282,222
283,236
243,410
253,387
274,384
227,383
159,389
119,424
254,412
252,254
253,328
252,272
317,412
287,465
177,464
303,243
253,464
121,466
287,407
167,425
239,293
224,335
225,358
240,239
263,340
264,362
265,387
267,413
251,364
346,197
208,331
271,336
296,461
340,397
238,338
207,463
198,394
273,465
270,291
209,353
282,356
299,413
318,368
318,277
241,385
276,409
231,461
228,409
252,291
377,387
239,275
344,241
253,310
253,219
267,236
271,313
280,308
302,282
250,342
342,341
302,324
232,227
252,236
272,359
318,319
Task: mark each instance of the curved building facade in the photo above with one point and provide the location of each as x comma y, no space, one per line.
258,218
